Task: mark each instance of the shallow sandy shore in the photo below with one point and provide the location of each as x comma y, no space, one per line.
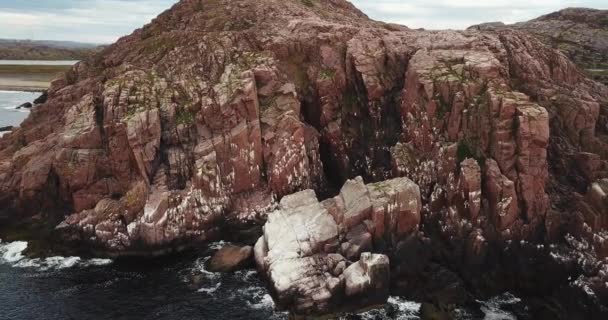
8,83
28,77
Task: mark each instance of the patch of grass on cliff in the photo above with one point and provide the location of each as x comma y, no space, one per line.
249,60
381,187
308,3
296,66
350,101
327,74
598,73
268,102
184,117
464,151
443,107
159,45
467,150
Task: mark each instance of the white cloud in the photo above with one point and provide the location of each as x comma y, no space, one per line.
99,21
459,14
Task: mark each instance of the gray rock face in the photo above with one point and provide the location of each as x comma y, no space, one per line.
369,276
309,249
357,204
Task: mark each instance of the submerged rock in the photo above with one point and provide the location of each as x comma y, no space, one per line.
230,258
27,105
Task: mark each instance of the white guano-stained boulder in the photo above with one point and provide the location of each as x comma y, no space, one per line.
309,249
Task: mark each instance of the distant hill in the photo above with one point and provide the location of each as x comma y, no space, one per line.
581,33
11,49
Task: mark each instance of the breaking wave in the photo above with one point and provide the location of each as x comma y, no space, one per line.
396,308
12,253
494,308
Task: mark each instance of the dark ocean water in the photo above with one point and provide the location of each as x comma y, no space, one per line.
173,288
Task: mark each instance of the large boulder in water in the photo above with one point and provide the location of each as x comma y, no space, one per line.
304,243
230,258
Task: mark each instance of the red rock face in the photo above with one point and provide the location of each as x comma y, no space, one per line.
458,106
215,112
579,33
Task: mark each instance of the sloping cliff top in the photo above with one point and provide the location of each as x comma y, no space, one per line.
581,33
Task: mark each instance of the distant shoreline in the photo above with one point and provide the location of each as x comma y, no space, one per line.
23,88
29,77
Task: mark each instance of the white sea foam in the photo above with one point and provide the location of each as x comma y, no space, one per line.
405,306
405,310
218,245
492,308
96,262
263,302
12,253
14,109
201,264
210,290
245,275
63,262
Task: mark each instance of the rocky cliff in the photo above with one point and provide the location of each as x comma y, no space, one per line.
219,113
580,33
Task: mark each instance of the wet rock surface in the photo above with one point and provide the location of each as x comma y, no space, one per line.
223,113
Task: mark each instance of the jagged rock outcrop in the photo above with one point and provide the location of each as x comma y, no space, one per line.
316,255
581,33
218,111
458,105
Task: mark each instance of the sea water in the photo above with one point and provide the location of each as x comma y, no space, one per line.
177,287
9,101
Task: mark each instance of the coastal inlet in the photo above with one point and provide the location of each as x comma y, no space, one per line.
21,83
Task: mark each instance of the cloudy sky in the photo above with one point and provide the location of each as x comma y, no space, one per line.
103,21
